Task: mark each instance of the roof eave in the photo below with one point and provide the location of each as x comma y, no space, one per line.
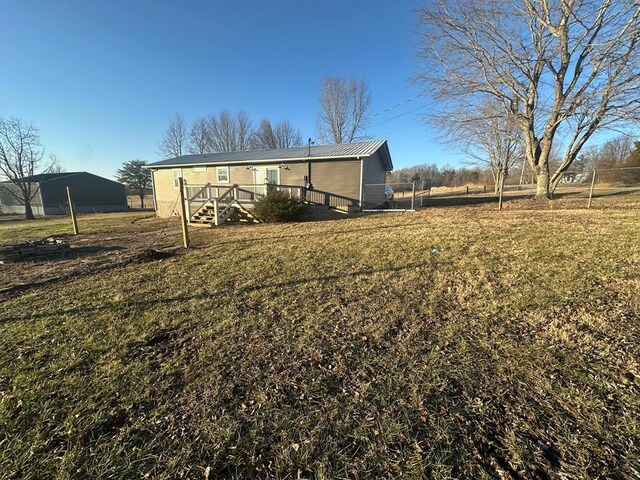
152,166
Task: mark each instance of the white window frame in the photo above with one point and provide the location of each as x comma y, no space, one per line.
222,169
277,169
176,183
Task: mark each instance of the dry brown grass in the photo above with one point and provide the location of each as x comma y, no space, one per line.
337,349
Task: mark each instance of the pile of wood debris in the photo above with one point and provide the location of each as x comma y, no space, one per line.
49,247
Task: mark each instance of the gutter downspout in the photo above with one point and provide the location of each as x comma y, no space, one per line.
361,182
153,189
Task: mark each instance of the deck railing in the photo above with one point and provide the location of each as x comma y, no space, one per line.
197,196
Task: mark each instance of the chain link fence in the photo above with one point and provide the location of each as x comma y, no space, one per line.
602,188
396,196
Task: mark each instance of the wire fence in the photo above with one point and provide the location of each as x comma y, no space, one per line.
396,196
603,188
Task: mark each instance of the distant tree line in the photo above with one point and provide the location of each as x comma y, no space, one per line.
225,132
441,176
343,117
618,152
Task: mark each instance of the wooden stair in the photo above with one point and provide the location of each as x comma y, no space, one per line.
235,212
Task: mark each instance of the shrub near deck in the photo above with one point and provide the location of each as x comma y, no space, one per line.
339,349
279,207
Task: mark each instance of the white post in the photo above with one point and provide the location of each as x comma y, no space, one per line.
216,212
413,196
593,181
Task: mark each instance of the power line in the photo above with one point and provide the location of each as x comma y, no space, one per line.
398,105
402,114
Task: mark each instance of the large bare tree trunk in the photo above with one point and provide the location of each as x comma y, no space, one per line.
28,212
542,183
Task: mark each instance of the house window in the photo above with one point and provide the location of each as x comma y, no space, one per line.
200,169
177,173
222,174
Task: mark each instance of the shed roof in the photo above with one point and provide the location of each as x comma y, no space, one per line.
318,152
43,177
46,177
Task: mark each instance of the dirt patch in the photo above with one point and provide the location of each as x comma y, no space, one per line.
83,261
152,255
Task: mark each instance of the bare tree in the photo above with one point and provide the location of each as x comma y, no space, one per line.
199,138
229,133
286,135
174,141
264,137
54,164
485,133
344,105
21,157
613,153
562,69
633,159
281,135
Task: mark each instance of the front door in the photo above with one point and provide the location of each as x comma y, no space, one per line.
264,175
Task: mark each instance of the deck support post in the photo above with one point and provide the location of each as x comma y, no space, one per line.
216,212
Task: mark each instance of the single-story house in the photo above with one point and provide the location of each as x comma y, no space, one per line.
90,193
331,175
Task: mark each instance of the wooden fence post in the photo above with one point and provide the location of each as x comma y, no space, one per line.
72,211
183,216
593,180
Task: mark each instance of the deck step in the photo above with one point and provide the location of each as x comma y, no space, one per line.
238,213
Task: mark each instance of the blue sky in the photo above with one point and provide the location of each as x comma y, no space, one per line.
101,78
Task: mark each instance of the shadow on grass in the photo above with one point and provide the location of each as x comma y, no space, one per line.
315,234
207,295
461,201
93,250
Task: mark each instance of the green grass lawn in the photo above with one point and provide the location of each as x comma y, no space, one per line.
335,349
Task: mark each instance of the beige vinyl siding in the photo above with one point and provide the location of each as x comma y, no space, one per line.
165,192
337,177
293,173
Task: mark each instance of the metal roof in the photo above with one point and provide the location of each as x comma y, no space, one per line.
43,177
318,152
